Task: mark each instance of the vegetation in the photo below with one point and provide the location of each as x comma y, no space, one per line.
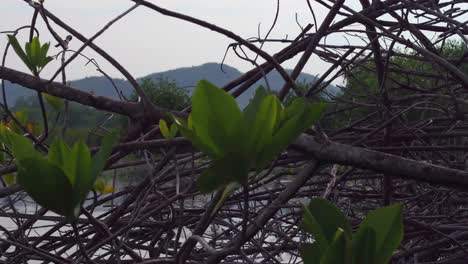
374,242
266,127
164,93
406,74
210,181
61,181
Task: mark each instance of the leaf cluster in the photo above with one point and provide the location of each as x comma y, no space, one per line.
374,242
34,54
165,93
61,180
35,58
239,141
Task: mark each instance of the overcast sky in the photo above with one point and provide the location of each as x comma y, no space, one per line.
146,42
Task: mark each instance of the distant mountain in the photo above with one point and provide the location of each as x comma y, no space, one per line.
186,77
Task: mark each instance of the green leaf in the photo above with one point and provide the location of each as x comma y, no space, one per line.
164,130
310,253
19,51
35,52
212,179
364,246
261,132
10,179
298,117
221,173
102,187
387,222
312,114
251,109
31,65
22,118
338,252
108,188
227,191
173,130
27,48
186,129
44,59
55,102
216,119
58,153
99,185
47,60
4,132
47,185
78,169
22,147
100,158
280,112
322,218
190,122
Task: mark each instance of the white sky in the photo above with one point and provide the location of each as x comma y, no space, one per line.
146,42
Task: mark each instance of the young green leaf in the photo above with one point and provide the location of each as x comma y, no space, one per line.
216,118
44,59
107,189
311,253
221,173
102,187
298,117
321,218
47,185
55,102
261,132
34,55
22,147
19,51
58,152
187,131
22,118
227,191
250,111
212,178
173,130
47,60
99,185
10,179
77,167
100,158
164,130
338,252
364,246
387,222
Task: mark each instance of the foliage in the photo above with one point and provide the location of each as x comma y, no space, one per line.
34,54
363,80
35,58
22,117
238,141
165,93
81,120
102,186
374,242
303,88
65,173
55,102
405,70
168,133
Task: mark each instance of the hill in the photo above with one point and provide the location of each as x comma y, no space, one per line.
185,77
